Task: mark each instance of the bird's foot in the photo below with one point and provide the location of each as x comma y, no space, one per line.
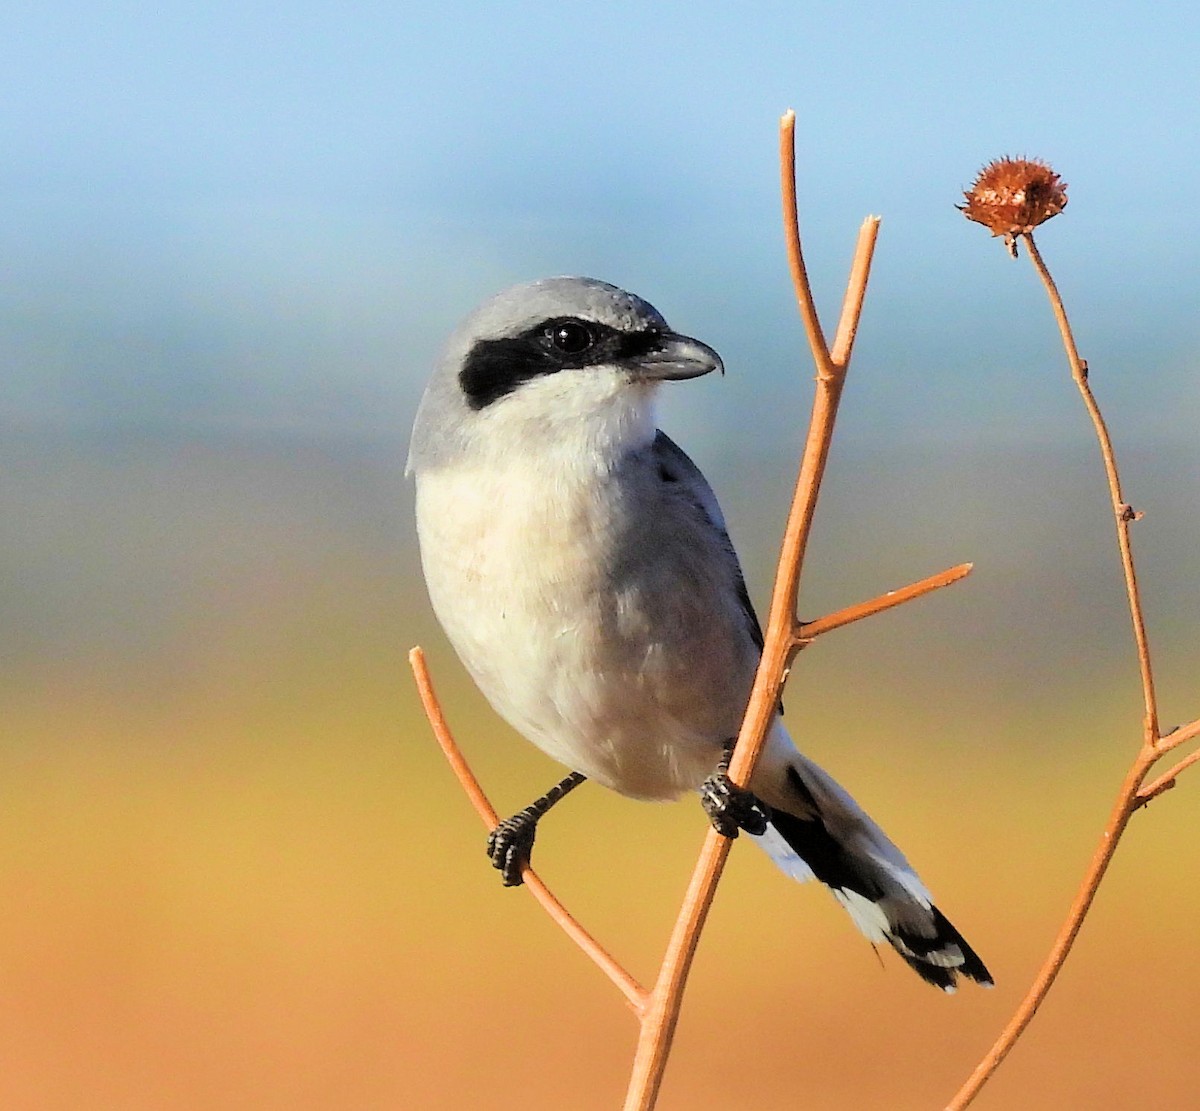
511,842
731,808
510,846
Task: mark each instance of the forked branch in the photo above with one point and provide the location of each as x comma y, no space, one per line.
1132,795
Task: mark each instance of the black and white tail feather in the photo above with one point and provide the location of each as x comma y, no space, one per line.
824,834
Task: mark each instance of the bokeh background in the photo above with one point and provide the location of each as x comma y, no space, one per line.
235,872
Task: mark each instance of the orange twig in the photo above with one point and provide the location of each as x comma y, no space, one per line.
785,634
634,993
1166,743
1121,509
1063,943
666,997
1165,781
809,630
1132,795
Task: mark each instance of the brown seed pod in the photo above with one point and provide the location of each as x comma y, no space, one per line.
1012,196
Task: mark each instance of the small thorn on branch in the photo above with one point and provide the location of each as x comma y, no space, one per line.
1148,794
1177,735
1164,782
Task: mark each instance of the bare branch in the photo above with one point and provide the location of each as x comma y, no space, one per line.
1177,737
1052,966
1124,516
1132,795
666,997
810,630
856,290
634,993
1165,781
784,633
791,231
828,395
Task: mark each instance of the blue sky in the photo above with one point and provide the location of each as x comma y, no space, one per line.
262,216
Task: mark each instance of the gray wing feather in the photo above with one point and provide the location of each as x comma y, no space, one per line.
675,466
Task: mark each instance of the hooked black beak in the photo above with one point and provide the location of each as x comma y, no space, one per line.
673,357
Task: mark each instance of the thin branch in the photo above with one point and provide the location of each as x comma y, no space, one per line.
662,1008
1178,737
791,232
662,1014
809,630
634,993
856,289
1052,966
830,380
783,634
445,740
1165,781
1133,795
1124,514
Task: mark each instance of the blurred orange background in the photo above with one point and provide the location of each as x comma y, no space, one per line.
237,872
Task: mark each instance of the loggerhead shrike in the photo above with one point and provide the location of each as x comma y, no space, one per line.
579,563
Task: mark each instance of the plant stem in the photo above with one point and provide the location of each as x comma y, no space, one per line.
1124,514
781,639
1131,797
634,993
1122,810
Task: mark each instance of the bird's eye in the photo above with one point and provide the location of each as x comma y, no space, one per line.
571,337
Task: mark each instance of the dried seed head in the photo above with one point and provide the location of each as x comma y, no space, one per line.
1011,196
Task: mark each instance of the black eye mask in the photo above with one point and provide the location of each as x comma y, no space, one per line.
496,367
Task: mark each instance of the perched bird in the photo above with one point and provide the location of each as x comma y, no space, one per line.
580,566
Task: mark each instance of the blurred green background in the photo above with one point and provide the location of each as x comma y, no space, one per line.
236,872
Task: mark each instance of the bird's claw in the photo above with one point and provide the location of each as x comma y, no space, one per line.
731,808
510,846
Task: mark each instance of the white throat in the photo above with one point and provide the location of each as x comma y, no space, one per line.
587,419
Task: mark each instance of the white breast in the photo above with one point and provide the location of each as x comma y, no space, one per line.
520,578
606,634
